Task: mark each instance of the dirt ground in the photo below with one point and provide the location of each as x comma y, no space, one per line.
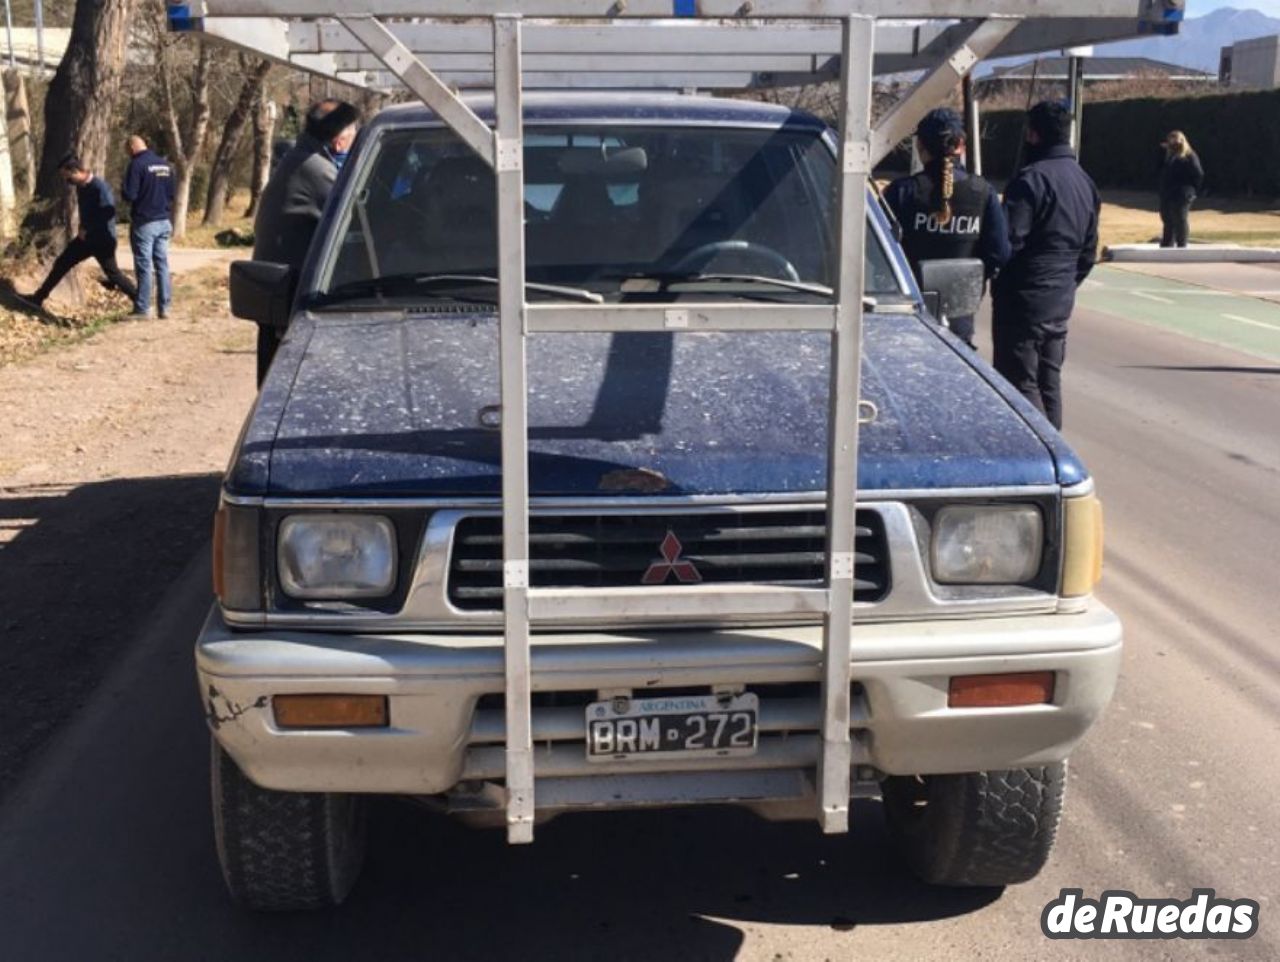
110,454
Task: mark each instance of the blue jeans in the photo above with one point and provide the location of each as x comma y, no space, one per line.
150,243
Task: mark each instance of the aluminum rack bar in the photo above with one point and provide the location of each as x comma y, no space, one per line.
1145,10
834,776
577,319
561,606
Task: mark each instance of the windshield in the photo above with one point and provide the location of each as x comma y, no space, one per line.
613,210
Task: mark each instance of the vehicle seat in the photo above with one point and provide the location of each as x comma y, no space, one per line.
459,229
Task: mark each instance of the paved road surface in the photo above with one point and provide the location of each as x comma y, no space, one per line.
105,850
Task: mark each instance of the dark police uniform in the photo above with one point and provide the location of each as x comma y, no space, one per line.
1052,208
977,227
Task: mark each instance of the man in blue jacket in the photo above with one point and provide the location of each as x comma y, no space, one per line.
1052,207
97,235
148,187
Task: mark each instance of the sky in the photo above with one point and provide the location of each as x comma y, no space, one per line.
1198,8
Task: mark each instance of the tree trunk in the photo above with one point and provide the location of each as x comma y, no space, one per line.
18,114
232,135
184,145
79,110
264,125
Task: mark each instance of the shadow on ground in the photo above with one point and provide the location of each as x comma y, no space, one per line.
81,567
106,845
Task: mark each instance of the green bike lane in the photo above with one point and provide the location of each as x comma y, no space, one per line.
1217,316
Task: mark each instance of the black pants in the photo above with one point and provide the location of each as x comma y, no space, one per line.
78,251
1032,361
1175,215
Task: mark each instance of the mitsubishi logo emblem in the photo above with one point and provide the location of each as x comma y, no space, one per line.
670,564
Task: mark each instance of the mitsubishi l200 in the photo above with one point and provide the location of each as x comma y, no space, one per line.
356,644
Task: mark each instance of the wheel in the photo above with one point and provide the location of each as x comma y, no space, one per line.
977,829
284,851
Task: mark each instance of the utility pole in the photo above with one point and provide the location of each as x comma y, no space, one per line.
8,29
40,35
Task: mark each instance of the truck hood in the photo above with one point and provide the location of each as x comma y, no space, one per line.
395,406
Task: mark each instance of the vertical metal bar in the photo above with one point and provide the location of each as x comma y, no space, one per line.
8,29
972,127
508,155
40,37
858,38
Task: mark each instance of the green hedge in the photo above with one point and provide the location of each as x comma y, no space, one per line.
1236,135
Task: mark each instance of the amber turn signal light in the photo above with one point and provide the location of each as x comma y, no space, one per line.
1001,691
330,711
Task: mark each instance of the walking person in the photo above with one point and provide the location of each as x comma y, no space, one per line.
946,212
149,187
294,199
96,237
1052,207
1181,178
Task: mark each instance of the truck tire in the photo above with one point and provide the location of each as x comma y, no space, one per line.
977,829
284,851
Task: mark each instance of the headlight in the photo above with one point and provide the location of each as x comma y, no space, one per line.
336,556
987,544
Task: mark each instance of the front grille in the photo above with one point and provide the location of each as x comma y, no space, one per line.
618,550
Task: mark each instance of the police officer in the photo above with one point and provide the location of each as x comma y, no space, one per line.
1052,207
945,212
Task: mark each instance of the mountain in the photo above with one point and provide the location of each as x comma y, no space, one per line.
1200,42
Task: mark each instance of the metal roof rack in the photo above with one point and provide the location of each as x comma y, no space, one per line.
432,47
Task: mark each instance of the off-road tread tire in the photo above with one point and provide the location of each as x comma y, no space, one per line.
981,828
284,851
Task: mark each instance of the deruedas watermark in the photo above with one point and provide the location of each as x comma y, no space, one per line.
1117,914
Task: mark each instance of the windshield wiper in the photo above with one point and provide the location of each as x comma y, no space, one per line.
401,284
575,293
654,283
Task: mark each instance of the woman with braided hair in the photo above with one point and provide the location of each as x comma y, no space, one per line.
946,212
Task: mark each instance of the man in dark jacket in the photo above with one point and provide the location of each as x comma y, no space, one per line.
1052,207
295,196
148,187
97,235
944,211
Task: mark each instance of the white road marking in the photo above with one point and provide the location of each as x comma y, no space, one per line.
1151,297
1247,320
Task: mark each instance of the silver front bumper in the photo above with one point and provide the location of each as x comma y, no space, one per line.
439,737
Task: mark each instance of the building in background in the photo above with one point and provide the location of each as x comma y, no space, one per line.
1252,63
1097,70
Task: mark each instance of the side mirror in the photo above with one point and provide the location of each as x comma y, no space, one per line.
952,288
262,292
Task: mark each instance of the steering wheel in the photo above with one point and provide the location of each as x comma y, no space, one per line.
700,255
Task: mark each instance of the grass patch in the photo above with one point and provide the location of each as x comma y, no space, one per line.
1133,217
200,235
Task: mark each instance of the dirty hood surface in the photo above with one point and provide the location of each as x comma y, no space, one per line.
393,406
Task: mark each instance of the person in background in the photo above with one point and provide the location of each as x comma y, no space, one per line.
294,199
1181,178
1052,207
148,187
96,237
946,212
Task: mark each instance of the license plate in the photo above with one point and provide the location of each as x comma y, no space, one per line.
699,726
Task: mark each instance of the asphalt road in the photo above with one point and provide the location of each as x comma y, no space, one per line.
106,851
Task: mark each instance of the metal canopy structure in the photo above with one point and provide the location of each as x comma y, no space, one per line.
431,47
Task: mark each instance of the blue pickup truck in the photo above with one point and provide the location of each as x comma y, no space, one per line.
356,644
